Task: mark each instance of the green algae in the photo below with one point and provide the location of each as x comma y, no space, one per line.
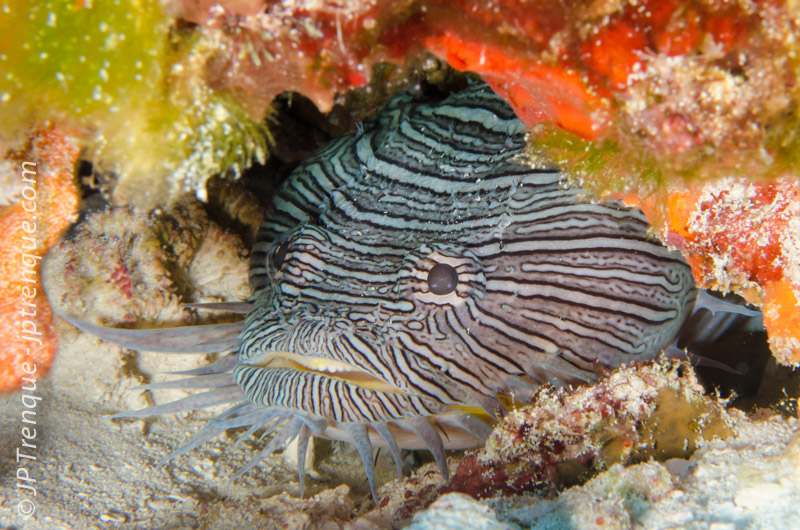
602,167
132,85
85,60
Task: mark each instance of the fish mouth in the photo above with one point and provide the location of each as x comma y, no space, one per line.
328,367
356,376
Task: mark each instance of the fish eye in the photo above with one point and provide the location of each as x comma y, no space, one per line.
442,279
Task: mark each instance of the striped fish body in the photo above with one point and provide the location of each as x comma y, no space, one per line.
417,270
409,278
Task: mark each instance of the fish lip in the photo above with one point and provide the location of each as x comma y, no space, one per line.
322,365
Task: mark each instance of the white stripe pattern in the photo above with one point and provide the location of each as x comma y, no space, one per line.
340,270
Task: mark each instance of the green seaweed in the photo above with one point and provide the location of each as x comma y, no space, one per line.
132,84
84,59
602,167
783,141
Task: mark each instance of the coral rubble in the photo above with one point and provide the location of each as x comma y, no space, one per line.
644,448
738,482
455,511
565,436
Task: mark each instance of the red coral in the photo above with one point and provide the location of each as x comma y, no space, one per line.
681,35
742,232
614,52
744,236
537,91
745,229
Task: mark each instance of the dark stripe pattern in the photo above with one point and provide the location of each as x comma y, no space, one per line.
548,284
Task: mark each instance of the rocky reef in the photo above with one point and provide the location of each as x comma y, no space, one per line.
736,482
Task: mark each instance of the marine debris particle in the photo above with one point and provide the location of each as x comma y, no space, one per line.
565,436
48,205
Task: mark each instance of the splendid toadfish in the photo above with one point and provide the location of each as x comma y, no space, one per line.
411,277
